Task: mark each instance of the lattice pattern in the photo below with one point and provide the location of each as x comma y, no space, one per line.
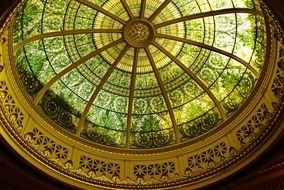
151,126
278,84
46,146
15,115
99,168
208,158
249,131
155,171
139,32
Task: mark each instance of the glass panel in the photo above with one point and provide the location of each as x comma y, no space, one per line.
188,40
193,109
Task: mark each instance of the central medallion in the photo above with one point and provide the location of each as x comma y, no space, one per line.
139,33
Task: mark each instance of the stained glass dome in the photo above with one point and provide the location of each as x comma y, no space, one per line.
140,94
139,74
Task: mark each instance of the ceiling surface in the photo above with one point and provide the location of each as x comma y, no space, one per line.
87,102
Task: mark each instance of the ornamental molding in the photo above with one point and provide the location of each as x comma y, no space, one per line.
197,163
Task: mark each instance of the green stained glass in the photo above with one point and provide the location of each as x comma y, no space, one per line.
139,78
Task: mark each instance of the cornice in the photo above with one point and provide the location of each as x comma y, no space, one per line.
86,166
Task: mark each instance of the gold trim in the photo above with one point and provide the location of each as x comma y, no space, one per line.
159,10
195,78
234,119
126,7
63,33
212,48
208,14
100,9
236,153
98,88
142,9
164,94
131,97
71,67
139,33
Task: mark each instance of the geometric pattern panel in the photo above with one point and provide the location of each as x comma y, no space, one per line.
16,117
161,170
46,146
249,132
278,83
208,158
99,168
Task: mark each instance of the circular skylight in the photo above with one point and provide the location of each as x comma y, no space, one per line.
139,74
140,94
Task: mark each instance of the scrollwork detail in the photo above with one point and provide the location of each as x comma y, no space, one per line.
46,146
151,139
199,125
15,115
57,111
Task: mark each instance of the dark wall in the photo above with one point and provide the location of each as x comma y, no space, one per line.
15,174
278,8
5,4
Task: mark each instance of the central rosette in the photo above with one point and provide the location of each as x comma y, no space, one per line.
139,33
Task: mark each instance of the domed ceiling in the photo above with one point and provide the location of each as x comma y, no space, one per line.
141,93
134,75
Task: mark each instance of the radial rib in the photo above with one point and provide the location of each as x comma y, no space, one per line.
72,66
159,10
164,94
195,78
142,9
217,50
131,98
100,9
211,13
126,7
63,33
98,89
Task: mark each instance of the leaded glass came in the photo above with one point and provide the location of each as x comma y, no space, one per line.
139,74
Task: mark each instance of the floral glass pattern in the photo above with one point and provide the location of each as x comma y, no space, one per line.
190,65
